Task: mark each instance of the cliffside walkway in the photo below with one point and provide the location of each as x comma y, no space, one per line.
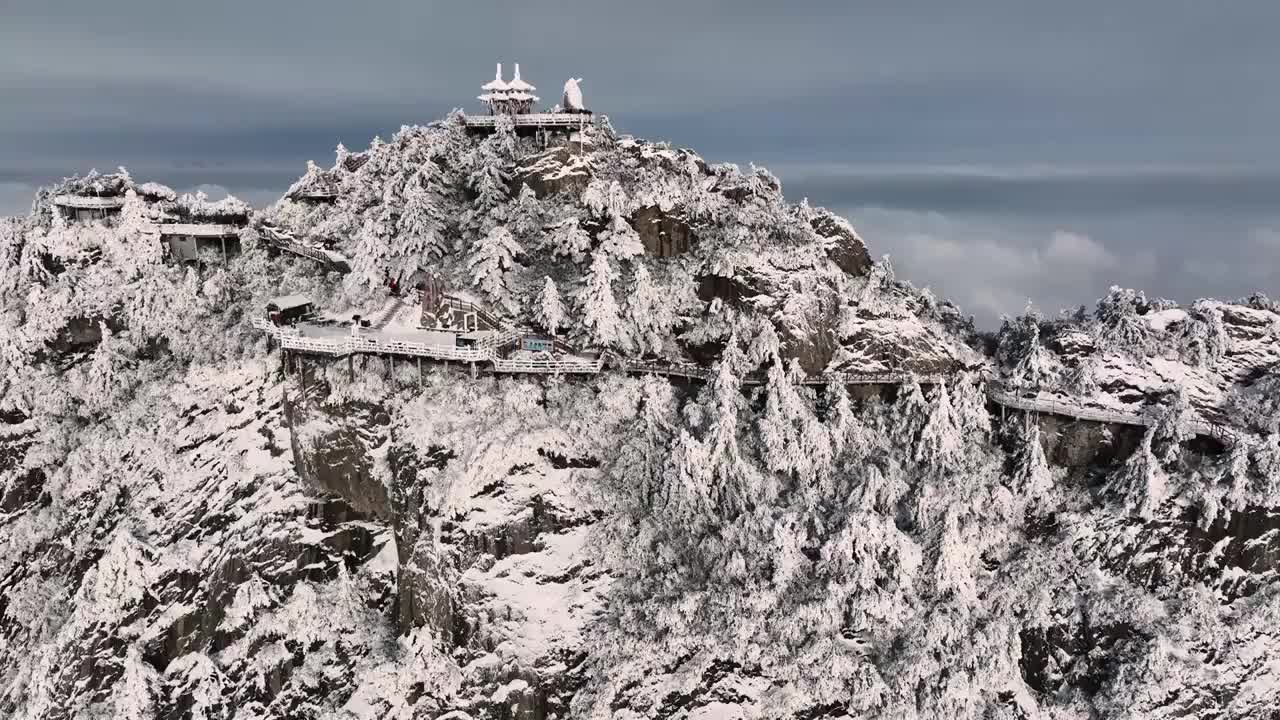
287,243
1010,399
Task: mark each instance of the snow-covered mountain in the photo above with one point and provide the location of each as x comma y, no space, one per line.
847,502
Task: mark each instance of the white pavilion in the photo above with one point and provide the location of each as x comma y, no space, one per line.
515,99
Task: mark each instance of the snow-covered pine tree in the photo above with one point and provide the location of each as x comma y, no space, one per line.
1204,341
550,310
1032,477
491,263
620,240
422,224
1121,326
1082,380
489,179
1036,368
648,313
1142,484
598,307
568,238
526,215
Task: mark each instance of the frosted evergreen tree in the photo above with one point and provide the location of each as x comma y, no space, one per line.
422,225
1082,380
597,306
1036,368
489,180
527,214
940,438
1204,340
491,264
1142,482
1121,326
1032,477
620,240
648,313
550,311
568,239
103,380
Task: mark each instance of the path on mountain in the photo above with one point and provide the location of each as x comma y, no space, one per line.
486,351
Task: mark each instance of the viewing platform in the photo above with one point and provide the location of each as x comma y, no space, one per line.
203,230
90,202
564,121
88,208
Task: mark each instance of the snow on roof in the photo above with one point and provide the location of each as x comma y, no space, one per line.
288,302
497,83
518,84
521,96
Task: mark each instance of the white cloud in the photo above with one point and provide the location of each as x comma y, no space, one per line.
992,267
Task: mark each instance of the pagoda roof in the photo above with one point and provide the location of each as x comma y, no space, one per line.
497,83
518,84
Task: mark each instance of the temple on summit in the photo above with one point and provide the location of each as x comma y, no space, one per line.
513,100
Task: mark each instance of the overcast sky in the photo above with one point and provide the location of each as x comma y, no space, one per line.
999,150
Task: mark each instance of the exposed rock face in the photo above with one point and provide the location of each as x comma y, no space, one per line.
1079,444
847,250
338,449
663,234
556,170
495,567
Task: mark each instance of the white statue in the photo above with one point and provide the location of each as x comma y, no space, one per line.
572,100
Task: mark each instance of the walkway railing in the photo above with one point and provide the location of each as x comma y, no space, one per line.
568,367
338,347
557,120
286,242
1119,417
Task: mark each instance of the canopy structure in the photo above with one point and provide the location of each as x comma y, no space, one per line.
288,302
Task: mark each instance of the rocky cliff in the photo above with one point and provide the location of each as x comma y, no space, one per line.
196,526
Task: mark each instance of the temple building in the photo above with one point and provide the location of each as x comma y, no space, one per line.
194,227
87,208
515,100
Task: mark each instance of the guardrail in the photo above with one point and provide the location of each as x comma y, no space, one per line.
548,367
1080,412
358,344
567,120
500,339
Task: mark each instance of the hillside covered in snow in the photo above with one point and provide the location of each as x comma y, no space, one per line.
625,434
